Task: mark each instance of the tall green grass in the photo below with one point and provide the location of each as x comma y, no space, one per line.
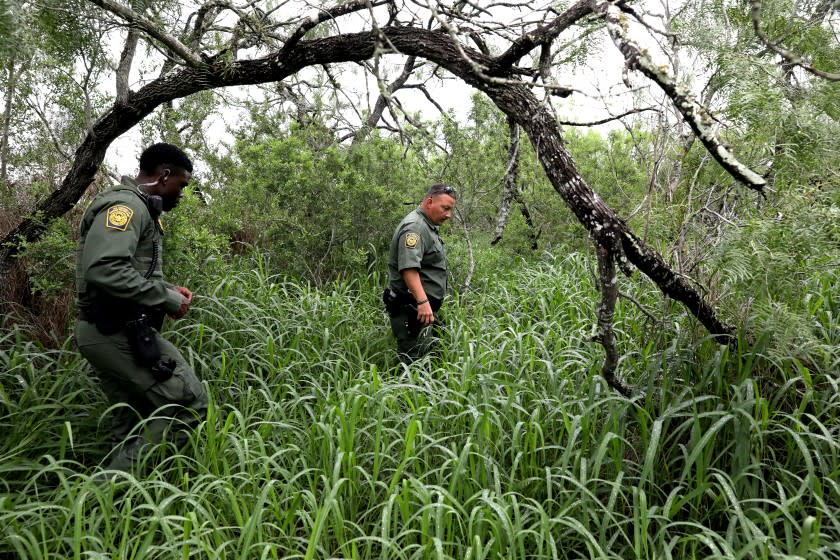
504,445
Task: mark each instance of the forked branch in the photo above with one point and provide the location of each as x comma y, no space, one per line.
152,29
540,36
324,14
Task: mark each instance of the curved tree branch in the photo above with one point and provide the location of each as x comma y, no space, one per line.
322,15
692,111
540,36
789,56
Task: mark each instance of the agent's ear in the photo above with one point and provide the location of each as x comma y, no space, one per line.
166,173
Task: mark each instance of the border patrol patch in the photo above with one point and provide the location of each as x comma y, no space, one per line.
411,240
118,217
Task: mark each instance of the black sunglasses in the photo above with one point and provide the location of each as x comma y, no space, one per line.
442,189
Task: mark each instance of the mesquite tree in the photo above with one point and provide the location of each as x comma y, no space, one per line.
511,51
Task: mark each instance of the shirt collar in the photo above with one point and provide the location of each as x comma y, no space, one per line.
429,222
130,183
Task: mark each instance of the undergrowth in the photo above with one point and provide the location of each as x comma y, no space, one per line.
506,444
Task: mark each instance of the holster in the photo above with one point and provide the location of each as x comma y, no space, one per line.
397,303
112,315
393,300
142,339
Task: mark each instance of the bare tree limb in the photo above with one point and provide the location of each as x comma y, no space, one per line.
124,66
470,254
385,97
608,119
46,123
322,15
543,35
429,98
641,307
511,180
152,29
692,111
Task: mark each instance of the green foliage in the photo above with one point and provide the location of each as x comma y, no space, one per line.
476,161
181,122
320,211
613,165
778,261
193,251
63,35
8,22
49,260
779,118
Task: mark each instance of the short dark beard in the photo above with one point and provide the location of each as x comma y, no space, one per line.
169,203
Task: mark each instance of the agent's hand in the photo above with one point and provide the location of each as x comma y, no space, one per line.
185,303
425,314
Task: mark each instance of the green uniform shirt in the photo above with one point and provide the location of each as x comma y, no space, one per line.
417,244
118,243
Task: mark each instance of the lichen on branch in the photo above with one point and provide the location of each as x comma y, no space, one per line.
695,114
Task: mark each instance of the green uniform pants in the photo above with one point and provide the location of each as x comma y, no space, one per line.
165,409
413,339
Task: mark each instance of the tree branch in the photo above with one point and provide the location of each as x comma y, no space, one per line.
470,254
789,56
641,307
511,180
322,15
692,111
608,119
124,66
608,284
152,29
384,98
542,35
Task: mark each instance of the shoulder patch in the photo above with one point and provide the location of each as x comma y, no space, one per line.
411,239
118,217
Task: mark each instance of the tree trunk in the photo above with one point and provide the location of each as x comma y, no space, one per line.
511,181
11,83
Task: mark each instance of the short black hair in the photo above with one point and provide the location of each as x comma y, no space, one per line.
164,154
440,188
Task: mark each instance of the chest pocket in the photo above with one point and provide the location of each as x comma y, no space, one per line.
435,255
